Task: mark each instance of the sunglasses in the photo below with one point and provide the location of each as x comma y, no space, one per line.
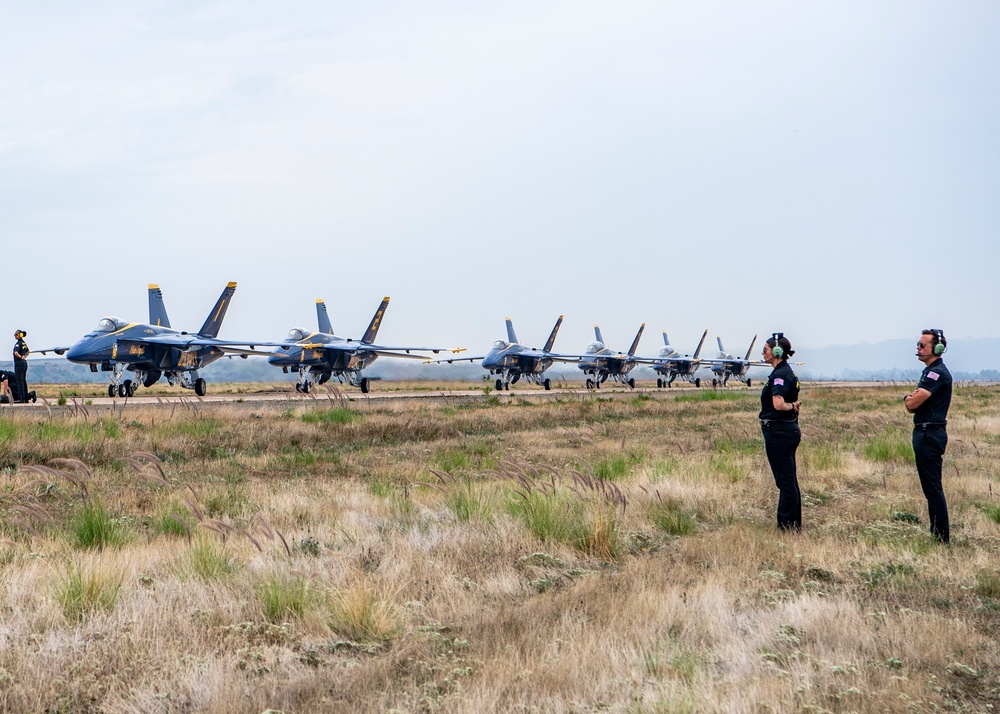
921,345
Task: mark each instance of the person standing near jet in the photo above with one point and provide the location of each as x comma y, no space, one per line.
21,353
779,417
928,404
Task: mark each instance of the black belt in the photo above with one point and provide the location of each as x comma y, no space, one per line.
768,422
930,425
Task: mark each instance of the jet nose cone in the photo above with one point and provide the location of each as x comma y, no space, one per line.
76,353
282,356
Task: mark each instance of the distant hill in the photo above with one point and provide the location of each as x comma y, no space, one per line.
975,359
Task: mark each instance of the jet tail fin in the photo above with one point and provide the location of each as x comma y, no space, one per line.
666,341
750,348
322,318
218,314
376,322
719,340
598,335
157,310
511,337
549,343
698,351
635,342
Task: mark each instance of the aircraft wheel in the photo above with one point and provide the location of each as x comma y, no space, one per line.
499,385
111,390
547,384
365,385
748,382
590,383
121,390
597,383
697,383
298,387
129,387
507,387
715,383
305,387
659,383
200,387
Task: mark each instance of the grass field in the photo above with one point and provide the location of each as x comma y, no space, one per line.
589,553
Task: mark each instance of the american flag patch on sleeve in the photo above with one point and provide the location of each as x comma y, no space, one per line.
933,375
779,382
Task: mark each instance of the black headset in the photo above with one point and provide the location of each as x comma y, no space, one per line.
940,343
778,351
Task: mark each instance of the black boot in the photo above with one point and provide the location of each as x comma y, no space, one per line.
33,397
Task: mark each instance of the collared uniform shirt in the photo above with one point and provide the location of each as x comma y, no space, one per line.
936,379
782,382
20,348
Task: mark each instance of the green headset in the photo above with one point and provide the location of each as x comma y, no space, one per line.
778,351
940,343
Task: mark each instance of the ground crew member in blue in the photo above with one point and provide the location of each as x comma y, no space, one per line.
779,420
21,353
928,404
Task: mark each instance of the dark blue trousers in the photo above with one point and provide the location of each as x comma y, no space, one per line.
781,439
928,448
21,372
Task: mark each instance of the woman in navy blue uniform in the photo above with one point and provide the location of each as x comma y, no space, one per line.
779,421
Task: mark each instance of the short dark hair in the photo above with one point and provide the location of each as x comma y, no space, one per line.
937,336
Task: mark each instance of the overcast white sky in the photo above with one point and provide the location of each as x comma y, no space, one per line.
829,169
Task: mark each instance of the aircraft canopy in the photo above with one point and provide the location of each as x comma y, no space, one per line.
110,324
297,333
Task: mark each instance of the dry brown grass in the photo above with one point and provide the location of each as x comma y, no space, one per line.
322,565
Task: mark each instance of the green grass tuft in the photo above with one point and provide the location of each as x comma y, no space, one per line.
82,592
669,516
894,445
93,527
209,559
283,596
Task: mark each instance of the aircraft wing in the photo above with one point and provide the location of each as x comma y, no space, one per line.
57,350
450,360
355,346
182,341
402,355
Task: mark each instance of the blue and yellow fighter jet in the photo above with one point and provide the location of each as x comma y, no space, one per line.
317,356
731,367
602,363
154,350
671,364
509,360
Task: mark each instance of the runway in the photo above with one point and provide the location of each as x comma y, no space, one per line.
337,396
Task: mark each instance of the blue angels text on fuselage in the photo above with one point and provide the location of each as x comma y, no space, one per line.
154,350
318,356
509,361
602,363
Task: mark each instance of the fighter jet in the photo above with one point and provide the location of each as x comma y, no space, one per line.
672,364
602,363
318,356
729,366
155,350
509,360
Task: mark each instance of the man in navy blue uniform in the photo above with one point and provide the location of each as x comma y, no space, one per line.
779,422
928,404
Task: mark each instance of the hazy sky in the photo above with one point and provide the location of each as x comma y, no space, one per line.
829,169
